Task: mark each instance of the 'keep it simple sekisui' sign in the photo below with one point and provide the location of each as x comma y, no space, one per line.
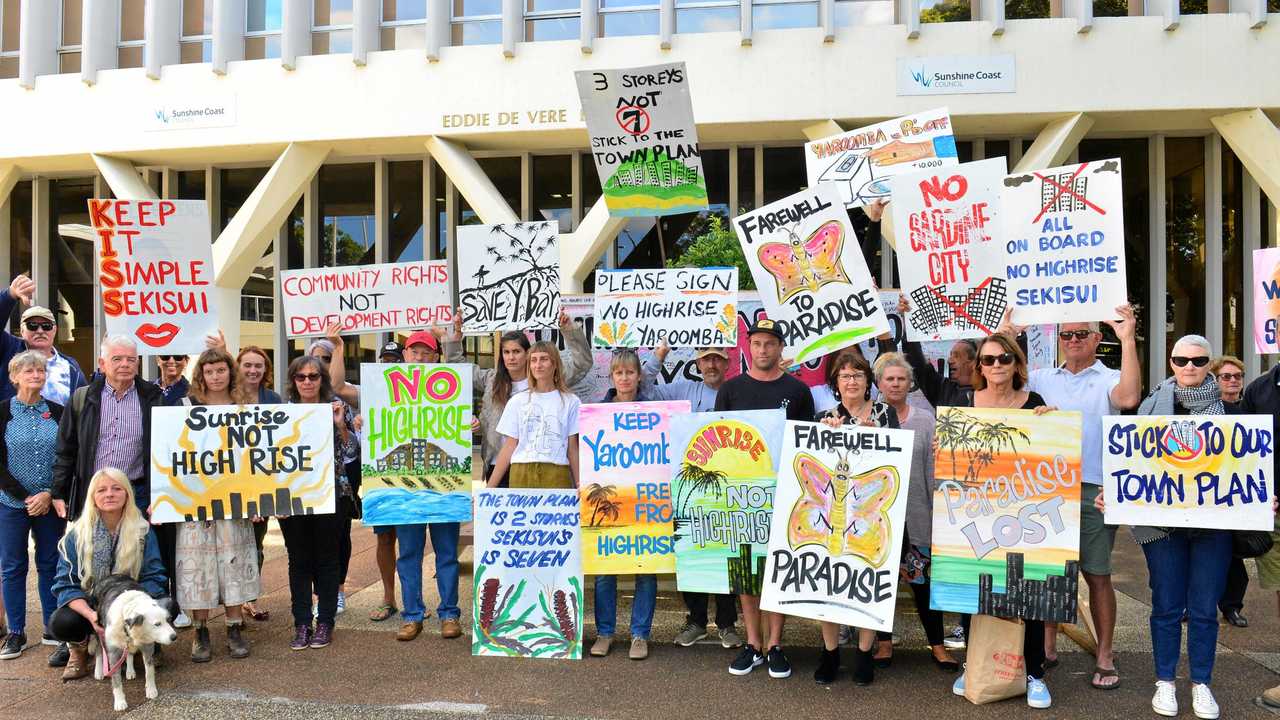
956,75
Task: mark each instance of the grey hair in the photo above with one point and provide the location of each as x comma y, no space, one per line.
1195,341
116,341
1095,326
26,359
893,359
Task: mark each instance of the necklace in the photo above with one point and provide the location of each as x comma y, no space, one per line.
856,415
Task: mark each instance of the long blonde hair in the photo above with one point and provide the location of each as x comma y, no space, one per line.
132,532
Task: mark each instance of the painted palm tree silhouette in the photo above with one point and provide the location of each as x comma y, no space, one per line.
695,480
977,439
603,506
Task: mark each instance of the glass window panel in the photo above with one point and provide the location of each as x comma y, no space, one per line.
393,10
10,24
197,52
71,22
264,15
191,185
504,172
129,57
442,216
1193,7
131,23
404,37
625,24
488,32
474,8
746,179
998,148
555,28
346,215
236,186
331,12
784,172
864,12
1233,242
1184,236
71,267
1026,9
552,190
715,166
258,48
590,183
627,3
964,150
784,15
69,62
1110,8
944,11
574,6
197,17
404,227
718,19
20,232
8,68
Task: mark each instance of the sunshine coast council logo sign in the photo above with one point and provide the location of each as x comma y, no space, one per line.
190,113
956,75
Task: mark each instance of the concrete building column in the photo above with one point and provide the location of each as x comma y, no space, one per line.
366,30
439,15
123,178
100,34
295,32
38,35
228,33
162,28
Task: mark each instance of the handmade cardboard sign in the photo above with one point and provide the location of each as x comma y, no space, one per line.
1006,513
950,255
812,277
1266,299
643,139
624,467
366,298
836,537
1189,471
858,164
686,307
155,268
722,488
510,276
229,462
528,580
415,447
1064,233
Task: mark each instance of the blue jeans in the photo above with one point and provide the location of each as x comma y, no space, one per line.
606,608
412,540
1188,572
15,527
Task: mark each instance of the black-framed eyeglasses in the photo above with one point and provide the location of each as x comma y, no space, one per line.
1074,334
1002,358
1182,360
39,326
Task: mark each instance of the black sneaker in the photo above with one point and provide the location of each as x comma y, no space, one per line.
58,658
49,640
779,666
749,659
13,646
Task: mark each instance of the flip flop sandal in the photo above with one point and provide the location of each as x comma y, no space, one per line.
382,612
1103,674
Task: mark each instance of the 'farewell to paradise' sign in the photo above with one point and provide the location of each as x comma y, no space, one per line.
366,298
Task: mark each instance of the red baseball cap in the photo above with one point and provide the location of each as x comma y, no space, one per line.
425,337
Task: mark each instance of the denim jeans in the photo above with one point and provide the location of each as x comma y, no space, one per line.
1188,571
15,527
642,607
412,541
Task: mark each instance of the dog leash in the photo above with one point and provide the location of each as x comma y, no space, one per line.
108,669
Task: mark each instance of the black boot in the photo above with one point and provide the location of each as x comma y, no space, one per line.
828,666
237,646
864,666
201,652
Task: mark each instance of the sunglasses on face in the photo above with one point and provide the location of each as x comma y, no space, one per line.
173,358
1002,358
1181,361
1230,376
307,377
1074,334
39,326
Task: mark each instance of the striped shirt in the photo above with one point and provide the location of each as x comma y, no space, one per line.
120,433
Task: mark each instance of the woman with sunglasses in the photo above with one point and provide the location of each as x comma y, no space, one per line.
999,384
313,541
173,383
1228,370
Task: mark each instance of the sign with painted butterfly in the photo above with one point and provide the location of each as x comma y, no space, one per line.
812,278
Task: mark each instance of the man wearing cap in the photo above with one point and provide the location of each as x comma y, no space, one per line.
39,328
712,364
764,386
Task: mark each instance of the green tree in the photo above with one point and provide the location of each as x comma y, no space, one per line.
717,247
1110,8
946,11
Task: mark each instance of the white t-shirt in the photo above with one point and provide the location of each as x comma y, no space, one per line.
1088,392
542,424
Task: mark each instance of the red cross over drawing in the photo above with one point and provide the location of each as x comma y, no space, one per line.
1066,190
961,310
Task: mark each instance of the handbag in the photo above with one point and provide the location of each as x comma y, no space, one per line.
1251,543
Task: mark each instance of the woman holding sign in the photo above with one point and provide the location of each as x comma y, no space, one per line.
216,559
253,387
539,427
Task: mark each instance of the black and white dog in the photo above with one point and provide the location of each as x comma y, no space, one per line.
132,621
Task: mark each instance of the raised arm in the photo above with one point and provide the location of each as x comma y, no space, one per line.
338,368
451,352
579,362
1128,392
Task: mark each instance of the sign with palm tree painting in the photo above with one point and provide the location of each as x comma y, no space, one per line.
722,488
510,276
624,471
1006,513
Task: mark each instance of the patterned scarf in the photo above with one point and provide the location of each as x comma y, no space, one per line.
104,551
1203,400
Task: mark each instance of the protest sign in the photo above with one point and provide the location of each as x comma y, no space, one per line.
722,487
951,257
510,276
810,272
624,471
643,139
835,542
415,447
1188,471
686,307
366,298
1063,230
1266,299
155,268
859,163
1006,513
527,599
232,462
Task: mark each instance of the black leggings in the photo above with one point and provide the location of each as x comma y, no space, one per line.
346,510
726,609
167,539
67,625
313,542
930,619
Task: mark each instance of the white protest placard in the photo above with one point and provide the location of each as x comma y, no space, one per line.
687,307
214,462
860,162
1266,299
1064,232
155,268
1189,471
835,542
510,276
950,255
809,269
643,139
366,298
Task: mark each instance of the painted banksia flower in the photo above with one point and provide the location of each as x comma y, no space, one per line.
488,602
564,617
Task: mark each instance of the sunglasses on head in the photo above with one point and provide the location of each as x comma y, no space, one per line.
1002,358
1181,361
43,326
1076,334
307,377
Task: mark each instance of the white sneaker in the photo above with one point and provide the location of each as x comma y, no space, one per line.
1202,702
1165,701
182,621
957,687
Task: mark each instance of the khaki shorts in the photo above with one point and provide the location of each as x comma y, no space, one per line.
1096,537
541,476
1269,564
